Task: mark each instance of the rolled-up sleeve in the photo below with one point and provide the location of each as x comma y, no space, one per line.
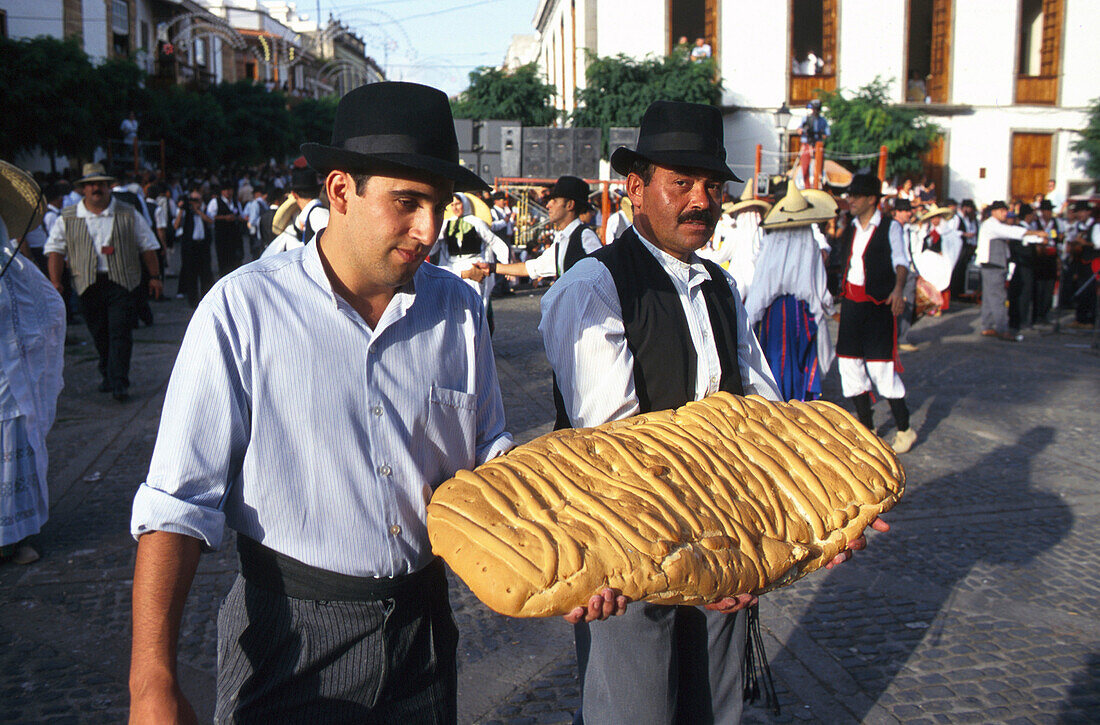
203,435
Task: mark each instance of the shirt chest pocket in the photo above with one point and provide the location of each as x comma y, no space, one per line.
451,429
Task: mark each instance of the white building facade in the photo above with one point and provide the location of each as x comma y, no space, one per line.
1008,81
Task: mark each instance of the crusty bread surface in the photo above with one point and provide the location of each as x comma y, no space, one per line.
723,496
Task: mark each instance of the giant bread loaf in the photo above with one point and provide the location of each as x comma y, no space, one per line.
723,496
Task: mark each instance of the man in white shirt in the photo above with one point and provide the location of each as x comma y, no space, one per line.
993,256
1082,249
572,240
312,218
645,324
618,222
873,296
319,397
107,242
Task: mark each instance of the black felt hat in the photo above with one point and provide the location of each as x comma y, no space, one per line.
864,185
381,126
685,135
571,187
304,180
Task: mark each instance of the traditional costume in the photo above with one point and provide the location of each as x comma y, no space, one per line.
32,356
789,299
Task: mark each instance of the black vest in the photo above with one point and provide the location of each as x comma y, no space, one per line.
190,218
657,332
574,250
460,243
879,274
226,231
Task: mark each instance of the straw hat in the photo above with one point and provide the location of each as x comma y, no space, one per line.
935,211
627,208
746,201
21,203
800,208
471,204
93,172
284,215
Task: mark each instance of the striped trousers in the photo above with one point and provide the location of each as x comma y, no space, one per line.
287,660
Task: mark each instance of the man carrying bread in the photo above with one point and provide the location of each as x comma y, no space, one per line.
645,324
319,397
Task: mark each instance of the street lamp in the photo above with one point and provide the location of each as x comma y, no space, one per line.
782,118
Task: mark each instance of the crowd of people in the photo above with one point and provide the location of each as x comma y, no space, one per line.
358,272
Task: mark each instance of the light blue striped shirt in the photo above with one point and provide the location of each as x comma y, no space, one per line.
291,421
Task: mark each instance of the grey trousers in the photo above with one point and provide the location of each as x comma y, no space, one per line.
286,660
657,665
905,319
994,299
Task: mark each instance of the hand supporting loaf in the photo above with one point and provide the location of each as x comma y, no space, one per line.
721,497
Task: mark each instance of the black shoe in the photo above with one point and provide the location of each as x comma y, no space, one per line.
121,395
105,387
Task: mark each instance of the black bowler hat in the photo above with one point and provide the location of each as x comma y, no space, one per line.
392,125
864,185
1081,206
570,187
902,205
997,205
686,135
1045,205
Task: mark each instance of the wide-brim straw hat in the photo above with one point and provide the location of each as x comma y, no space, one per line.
627,208
21,204
747,201
471,204
284,215
800,208
394,126
936,211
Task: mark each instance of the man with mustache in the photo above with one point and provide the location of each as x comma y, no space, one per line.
106,242
645,324
319,397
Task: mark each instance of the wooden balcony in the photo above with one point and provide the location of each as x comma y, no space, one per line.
1037,90
804,88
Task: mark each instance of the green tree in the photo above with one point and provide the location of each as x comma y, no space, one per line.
193,124
259,122
618,89
52,97
865,121
122,85
312,120
1089,143
519,95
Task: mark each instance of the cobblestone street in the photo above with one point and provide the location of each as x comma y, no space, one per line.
981,605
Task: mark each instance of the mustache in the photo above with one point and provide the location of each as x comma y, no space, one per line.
698,215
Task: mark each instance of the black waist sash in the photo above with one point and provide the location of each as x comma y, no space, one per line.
268,569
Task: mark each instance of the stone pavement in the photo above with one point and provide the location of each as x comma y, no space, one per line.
981,605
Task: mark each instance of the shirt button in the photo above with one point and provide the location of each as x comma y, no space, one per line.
373,349
713,381
377,410
395,530
385,470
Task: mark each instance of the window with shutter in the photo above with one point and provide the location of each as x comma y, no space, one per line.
1039,44
813,48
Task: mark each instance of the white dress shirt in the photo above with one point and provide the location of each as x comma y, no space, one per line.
898,254
617,223
990,230
100,227
585,341
552,261
290,420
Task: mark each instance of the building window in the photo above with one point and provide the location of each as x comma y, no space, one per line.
250,71
692,21
813,31
200,51
928,51
3,24
1039,41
